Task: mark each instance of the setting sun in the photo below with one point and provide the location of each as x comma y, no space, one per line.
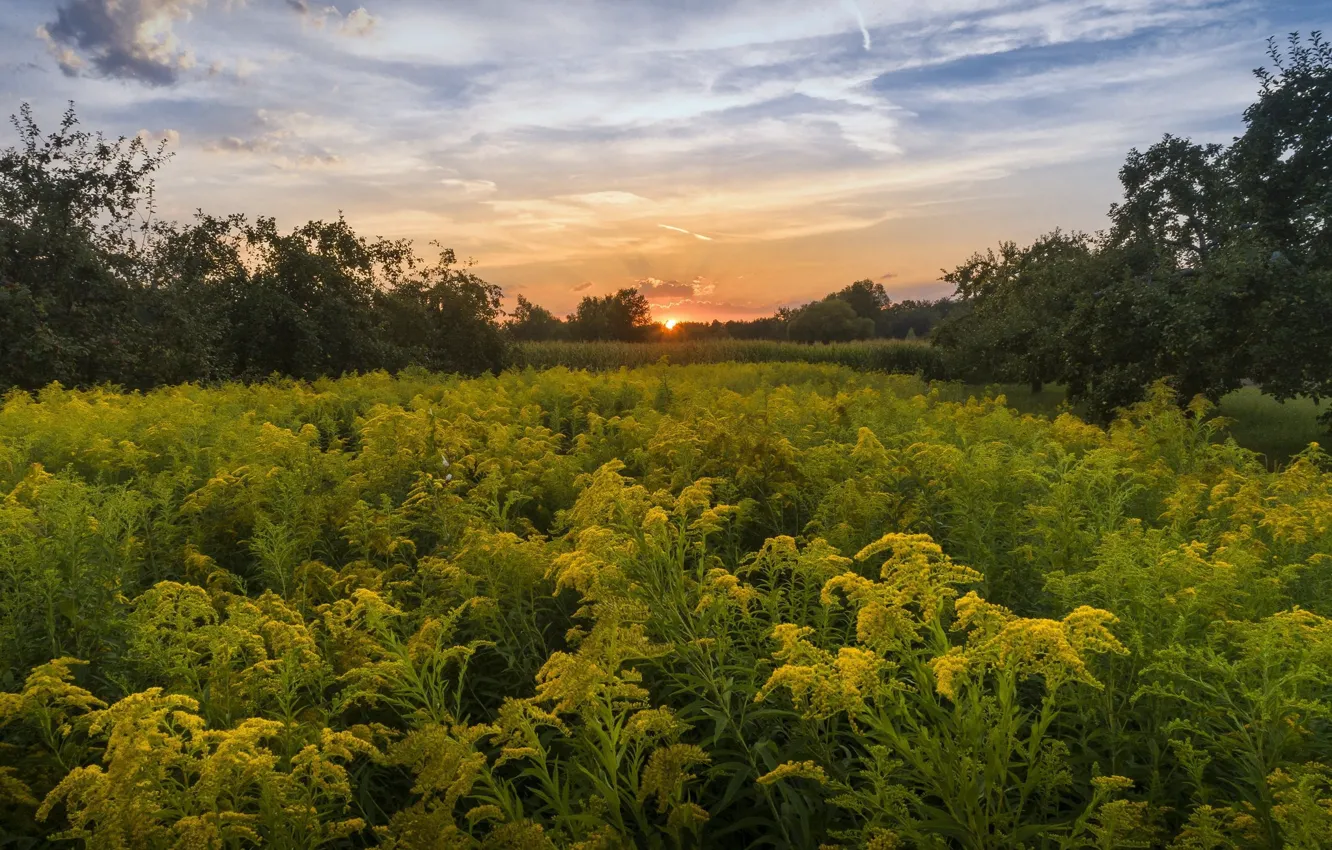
670,324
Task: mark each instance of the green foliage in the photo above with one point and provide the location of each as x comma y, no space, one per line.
1216,268
865,355
533,323
784,605
94,288
622,316
831,320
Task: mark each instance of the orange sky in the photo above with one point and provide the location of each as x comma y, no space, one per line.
728,158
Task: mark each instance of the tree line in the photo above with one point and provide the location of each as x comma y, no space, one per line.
861,310
96,288
1216,267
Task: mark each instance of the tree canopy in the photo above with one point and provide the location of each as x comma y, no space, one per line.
96,288
1216,267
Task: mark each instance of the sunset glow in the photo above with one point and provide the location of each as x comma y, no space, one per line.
725,158
670,324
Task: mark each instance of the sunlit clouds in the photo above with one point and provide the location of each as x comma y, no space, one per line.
774,150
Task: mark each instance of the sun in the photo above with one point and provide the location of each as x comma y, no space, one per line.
670,324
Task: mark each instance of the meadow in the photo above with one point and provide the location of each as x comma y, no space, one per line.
884,355
1276,430
787,605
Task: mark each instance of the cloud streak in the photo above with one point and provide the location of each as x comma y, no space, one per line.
686,232
854,8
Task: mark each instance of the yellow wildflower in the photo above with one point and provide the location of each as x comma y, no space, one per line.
794,770
667,772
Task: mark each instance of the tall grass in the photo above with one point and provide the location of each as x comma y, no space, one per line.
885,355
1276,429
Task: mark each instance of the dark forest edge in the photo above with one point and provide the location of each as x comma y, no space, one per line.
1216,269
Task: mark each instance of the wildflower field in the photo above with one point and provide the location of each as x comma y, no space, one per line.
781,605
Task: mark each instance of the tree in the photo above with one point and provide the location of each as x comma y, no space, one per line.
912,319
623,316
1176,196
1015,301
1217,266
533,323
866,297
75,210
831,320
1282,172
1282,164
445,319
94,287
306,309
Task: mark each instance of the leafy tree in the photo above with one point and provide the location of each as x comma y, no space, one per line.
534,323
910,318
1215,269
866,297
1015,301
95,288
1282,171
307,308
831,320
194,272
622,316
444,318
75,210
1282,164
1175,199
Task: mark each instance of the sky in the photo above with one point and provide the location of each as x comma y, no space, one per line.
726,157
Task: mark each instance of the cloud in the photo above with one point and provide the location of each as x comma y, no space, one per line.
234,144
654,288
170,136
469,187
886,276
860,21
283,149
582,287
765,125
129,39
357,22
688,232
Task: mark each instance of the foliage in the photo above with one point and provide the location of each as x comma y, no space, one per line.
887,355
781,605
622,316
95,288
1215,270
831,320
533,323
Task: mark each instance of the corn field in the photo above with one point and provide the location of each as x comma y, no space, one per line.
782,605
881,355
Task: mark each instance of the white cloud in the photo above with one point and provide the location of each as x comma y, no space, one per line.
469,187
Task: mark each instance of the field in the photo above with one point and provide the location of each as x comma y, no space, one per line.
1276,430
784,605
884,355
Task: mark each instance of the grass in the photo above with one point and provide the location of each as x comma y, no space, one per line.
880,355
1275,429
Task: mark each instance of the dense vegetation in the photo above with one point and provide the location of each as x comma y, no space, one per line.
774,605
95,288
858,311
885,355
1216,267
